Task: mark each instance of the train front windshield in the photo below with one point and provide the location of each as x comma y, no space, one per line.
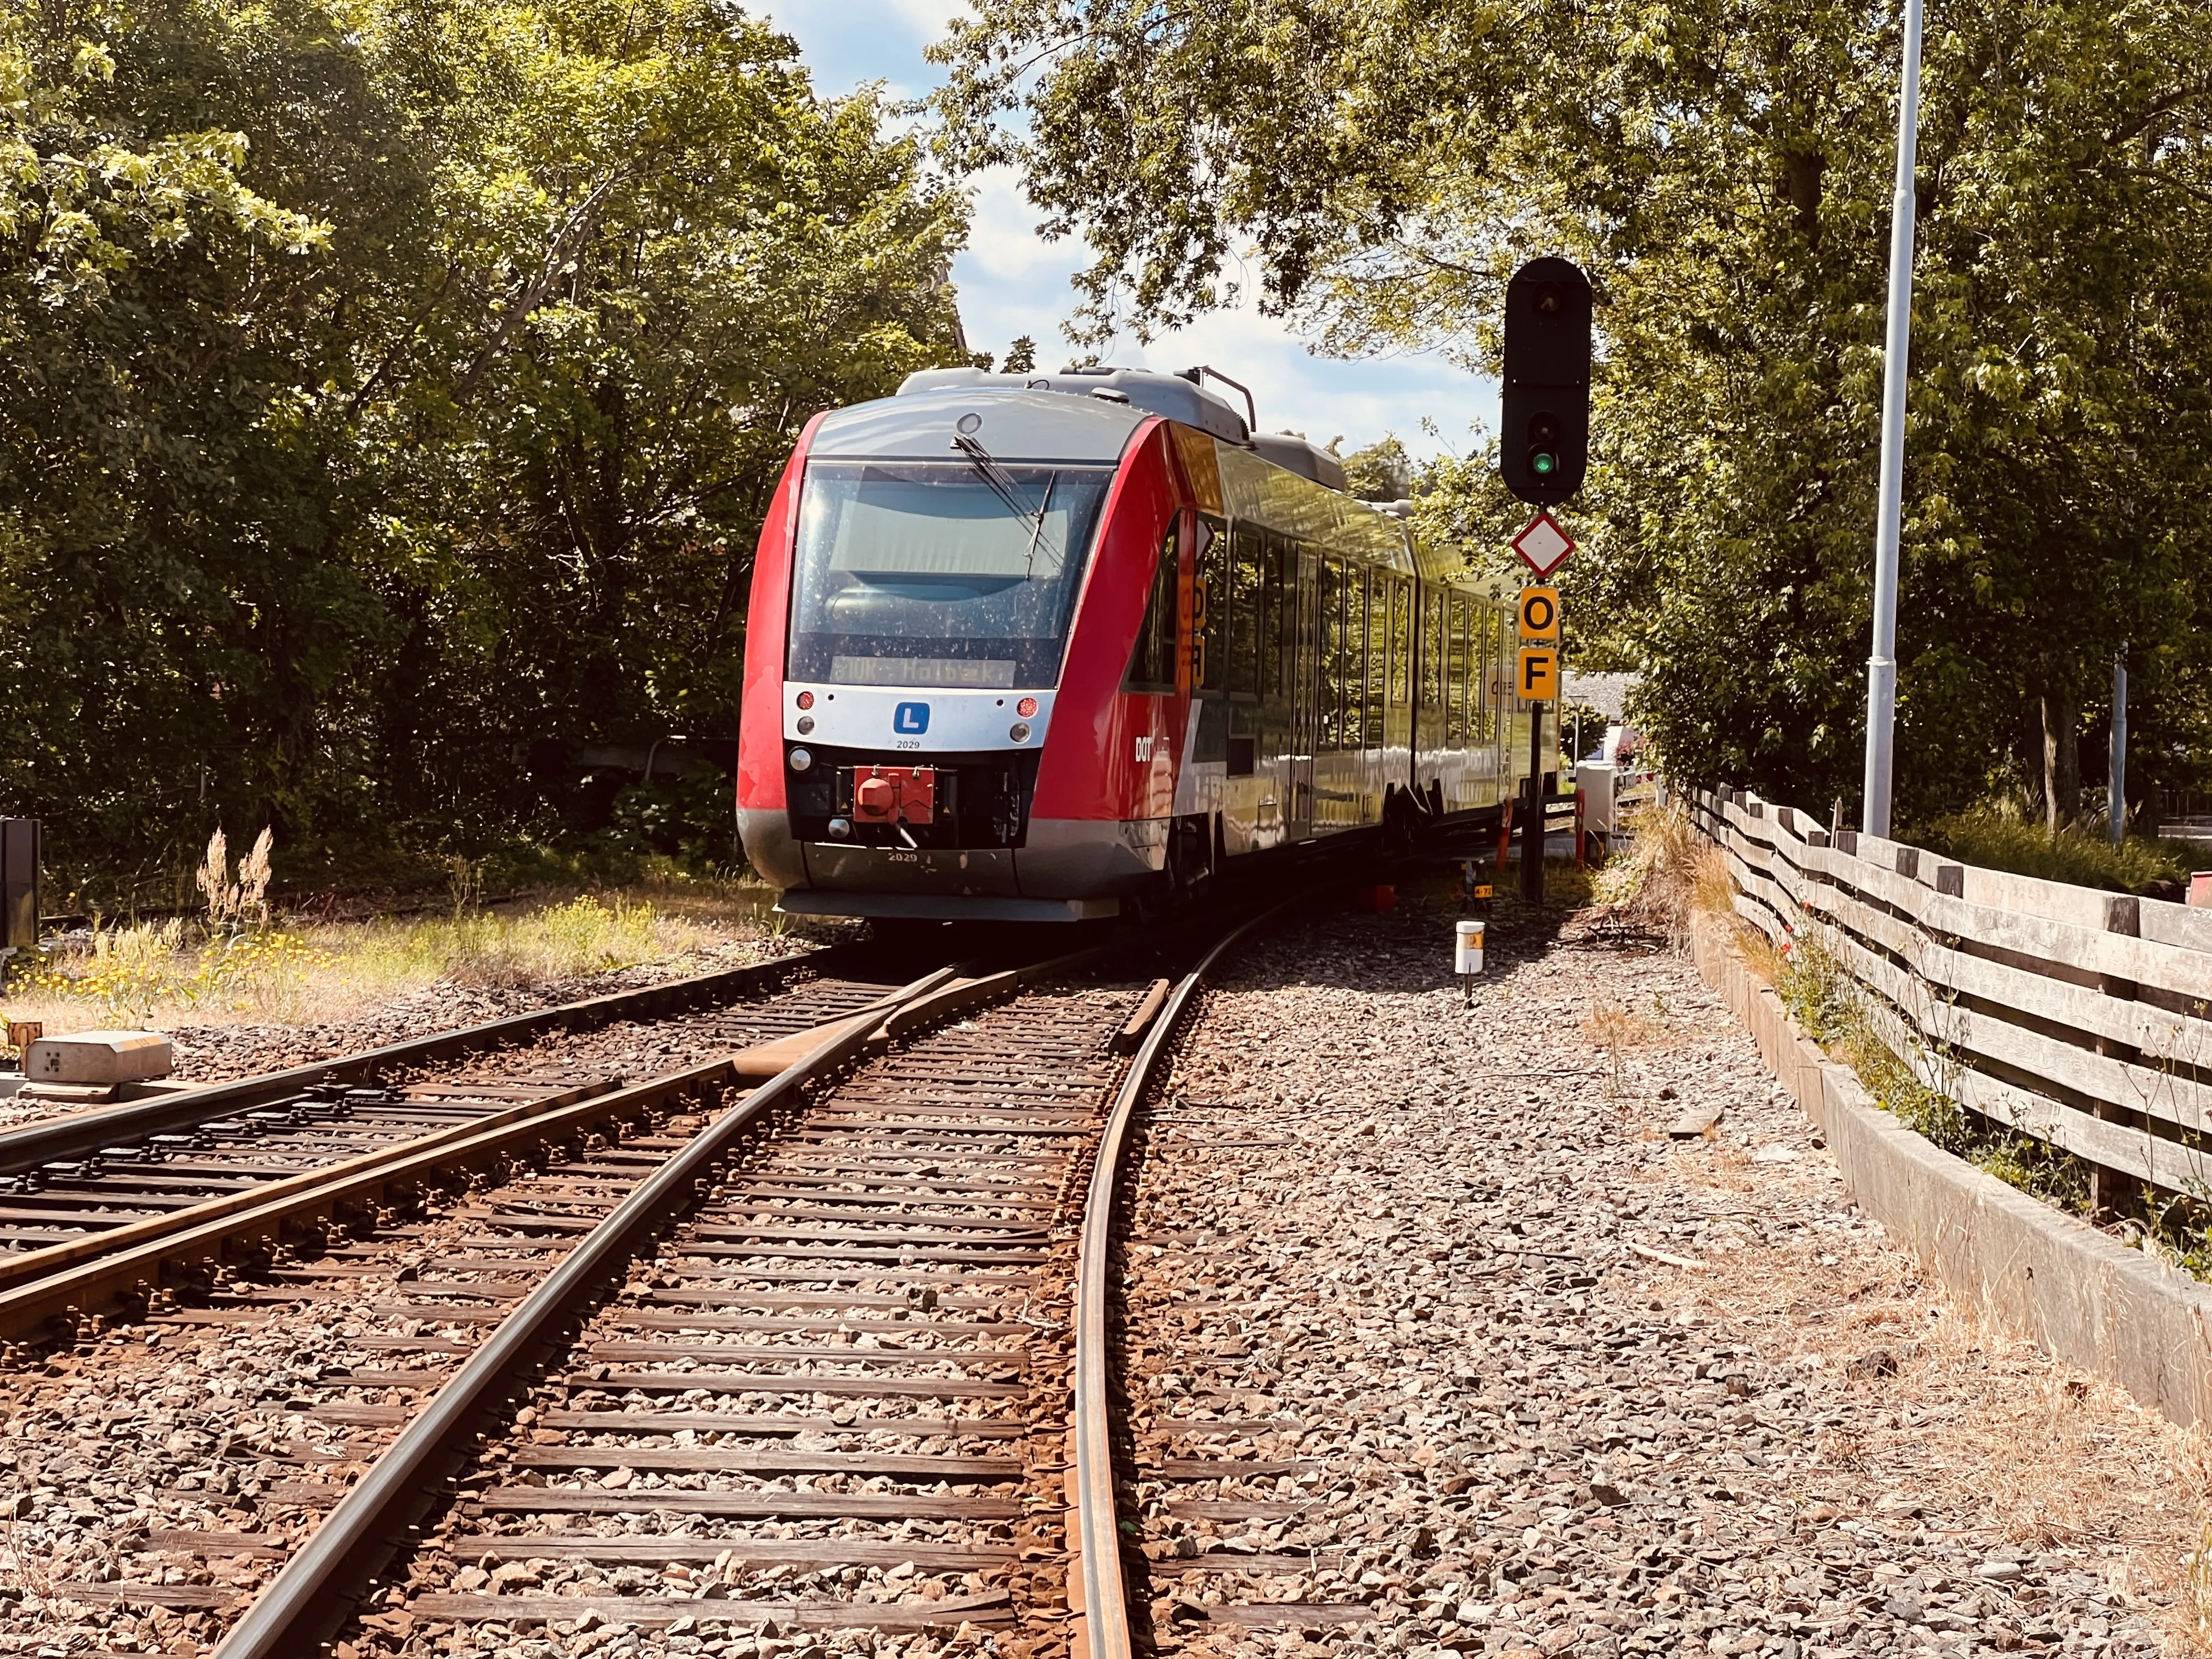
939,573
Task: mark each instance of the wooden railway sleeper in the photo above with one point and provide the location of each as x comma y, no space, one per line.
251,1242
305,1602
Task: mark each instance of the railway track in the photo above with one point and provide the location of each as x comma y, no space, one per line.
834,1358
162,1201
831,1353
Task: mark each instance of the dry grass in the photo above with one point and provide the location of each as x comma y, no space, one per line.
162,974
1761,957
1614,1027
2193,1606
1667,876
1711,889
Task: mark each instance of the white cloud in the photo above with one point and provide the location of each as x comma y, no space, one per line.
845,42
1013,282
1003,250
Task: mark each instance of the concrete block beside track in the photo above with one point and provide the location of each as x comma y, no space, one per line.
99,1057
2025,1268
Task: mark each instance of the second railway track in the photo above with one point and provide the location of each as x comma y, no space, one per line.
832,1356
186,1192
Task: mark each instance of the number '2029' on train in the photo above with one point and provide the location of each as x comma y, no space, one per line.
1053,646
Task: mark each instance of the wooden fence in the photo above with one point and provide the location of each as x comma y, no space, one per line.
2075,1015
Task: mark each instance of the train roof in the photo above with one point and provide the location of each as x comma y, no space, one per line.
1016,426
1088,417
1171,396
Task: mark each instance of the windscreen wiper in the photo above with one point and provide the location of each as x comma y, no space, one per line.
1037,529
1000,482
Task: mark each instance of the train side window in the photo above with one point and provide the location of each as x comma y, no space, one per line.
1152,665
1446,712
1481,648
1401,641
1277,638
1302,614
1378,589
1352,683
1455,625
1432,651
1482,643
1483,694
1210,605
1331,656
1247,610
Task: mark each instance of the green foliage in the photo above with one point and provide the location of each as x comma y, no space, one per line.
391,392
1815,990
1380,472
1723,170
1818,993
1998,840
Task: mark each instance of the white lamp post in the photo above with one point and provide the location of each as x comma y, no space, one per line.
1881,666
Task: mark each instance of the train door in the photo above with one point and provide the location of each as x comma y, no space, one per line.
1301,612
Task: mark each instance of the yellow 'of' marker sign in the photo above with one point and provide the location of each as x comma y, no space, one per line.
1540,673
1540,613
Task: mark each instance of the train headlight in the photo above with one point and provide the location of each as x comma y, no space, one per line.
840,828
1019,731
801,759
806,724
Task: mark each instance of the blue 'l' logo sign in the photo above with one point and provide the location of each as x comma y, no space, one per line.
910,719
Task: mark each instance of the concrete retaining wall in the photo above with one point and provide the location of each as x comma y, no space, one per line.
2026,1269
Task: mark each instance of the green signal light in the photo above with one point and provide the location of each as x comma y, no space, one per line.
1543,464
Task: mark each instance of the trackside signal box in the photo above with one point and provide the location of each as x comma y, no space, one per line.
1543,441
19,883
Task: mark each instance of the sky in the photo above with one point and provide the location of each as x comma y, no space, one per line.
1013,282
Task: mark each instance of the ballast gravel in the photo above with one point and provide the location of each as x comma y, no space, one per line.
1500,1367
156,1476
1504,1368
212,1054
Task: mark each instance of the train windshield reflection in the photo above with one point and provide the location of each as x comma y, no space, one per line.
955,574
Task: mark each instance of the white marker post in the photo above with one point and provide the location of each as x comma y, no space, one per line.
1467,955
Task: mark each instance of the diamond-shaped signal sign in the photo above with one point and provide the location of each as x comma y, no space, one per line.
1543,546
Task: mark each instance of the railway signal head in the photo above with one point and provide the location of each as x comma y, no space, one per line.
1544,436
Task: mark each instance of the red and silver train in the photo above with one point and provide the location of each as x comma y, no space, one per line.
1048,647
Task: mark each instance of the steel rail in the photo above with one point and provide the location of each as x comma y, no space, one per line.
82,1277
63,1281
30,1266
317,1589
82,1133
1097,1589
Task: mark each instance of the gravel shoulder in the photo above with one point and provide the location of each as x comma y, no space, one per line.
1443,1344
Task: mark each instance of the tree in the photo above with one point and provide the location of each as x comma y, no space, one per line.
666,257
1721,169
393,385
1381,471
